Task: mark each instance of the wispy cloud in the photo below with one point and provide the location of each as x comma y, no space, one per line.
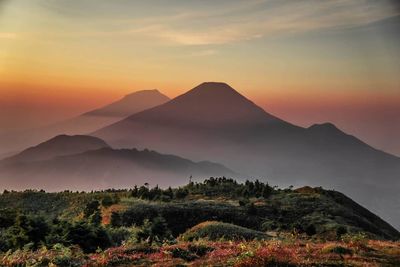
265,18
195,23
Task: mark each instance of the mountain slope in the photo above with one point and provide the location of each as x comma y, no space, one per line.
85,123
60,145
214,121
53,166
196,123
131,104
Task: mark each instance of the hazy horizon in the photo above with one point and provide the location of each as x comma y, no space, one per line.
165,133
374,120
306,62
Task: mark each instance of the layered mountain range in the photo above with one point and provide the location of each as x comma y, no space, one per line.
88,163
84,123
214,122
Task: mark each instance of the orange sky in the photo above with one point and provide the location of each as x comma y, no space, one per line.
333,61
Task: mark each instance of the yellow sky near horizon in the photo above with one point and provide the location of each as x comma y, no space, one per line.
306,61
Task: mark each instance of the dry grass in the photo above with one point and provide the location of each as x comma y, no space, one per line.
224,253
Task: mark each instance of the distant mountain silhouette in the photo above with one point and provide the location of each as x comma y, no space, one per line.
213,121
85,123
60,145
61,163
131,104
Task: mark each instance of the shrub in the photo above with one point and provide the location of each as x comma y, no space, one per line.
190,253
269,225
181,193
184,254
310,230
337,250
341,230
154,231
115,220
88,237
91,208
214,230
119,235
251,209
107,201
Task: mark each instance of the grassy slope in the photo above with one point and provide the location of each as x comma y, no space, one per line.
287,252
281,212
286,210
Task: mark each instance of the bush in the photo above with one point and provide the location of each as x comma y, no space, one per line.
119,235
341,230
115,220
181,193
107,201
337,250
310,230
213,230
91,208
88,237
154,231
251,209
27,230
184,254
190,253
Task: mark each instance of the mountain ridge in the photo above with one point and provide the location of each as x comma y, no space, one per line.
95,165
60,145
239,134
84,123
142,100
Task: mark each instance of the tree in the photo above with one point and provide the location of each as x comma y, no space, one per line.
91,208
29,229
88,237
135,191
95,218
115,220
181,193
107,201
157,230
251,209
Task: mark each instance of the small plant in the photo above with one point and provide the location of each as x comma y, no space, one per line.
358,241
184,254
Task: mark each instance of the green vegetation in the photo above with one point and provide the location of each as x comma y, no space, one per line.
216,230
72,224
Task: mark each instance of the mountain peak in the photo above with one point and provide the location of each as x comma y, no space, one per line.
326,127
131,104
214,86
215,89
209,104
147,92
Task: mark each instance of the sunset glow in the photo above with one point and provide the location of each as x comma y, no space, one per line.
306,61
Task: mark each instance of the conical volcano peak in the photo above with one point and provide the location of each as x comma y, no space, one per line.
214,86
207,105
214,89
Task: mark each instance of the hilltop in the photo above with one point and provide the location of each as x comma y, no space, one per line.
149,225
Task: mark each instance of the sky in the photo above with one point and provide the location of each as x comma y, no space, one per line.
305,61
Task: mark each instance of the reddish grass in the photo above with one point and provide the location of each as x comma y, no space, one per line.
238,254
